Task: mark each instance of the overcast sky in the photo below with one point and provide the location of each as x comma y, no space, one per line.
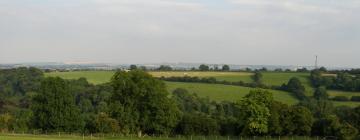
273,32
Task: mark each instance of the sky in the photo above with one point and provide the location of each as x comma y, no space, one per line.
256,32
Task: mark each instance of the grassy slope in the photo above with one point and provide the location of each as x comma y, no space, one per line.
95,77
226,92
270,78
227,76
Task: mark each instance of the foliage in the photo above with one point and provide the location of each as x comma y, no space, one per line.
204,67
321,94
340,98
257,77
197,124
15,82
105,124
135,103
225,68
165,68
295,86
54,107
255,112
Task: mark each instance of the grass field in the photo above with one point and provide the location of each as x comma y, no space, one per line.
226,92
95,77
270,78
227,76
217,92
348,94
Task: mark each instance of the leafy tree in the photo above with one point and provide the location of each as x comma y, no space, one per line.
140,103
54,107
255,112
225,68
331,126
276,122
197,124
354,117
257,77
204,67
322,69
105,124
295,86
319,108
165,68
20,80
6,121
327,126
133,67
347,132
302,120
22,120
321,94
315,78
302,70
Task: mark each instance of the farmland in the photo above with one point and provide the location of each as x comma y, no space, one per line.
217,92
226,92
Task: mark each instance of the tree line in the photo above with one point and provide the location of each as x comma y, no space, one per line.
134,102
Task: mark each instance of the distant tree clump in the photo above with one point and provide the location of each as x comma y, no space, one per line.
321,94
204,67
225,68
295,86
133,67
165,68
257,77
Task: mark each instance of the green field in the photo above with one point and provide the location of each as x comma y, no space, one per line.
227,76
218,92
226,92
348,94
95,77
270,78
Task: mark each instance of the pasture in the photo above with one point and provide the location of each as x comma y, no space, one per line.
217,92
226,92
95,77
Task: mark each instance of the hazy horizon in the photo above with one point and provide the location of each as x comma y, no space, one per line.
243,32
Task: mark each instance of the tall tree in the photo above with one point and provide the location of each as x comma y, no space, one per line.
140,104
54,107
320,93
257,77
255,112
295,86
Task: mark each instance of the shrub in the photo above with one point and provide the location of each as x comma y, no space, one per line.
341,98
355,98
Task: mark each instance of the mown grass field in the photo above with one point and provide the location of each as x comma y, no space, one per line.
218,92
95,77
226,92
